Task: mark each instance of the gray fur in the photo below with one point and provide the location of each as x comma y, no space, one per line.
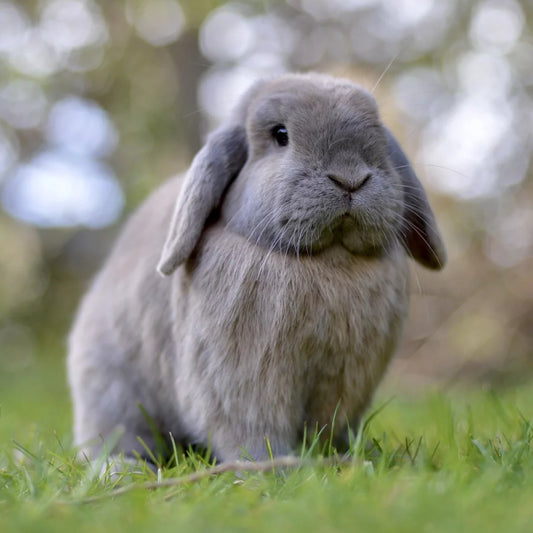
289,282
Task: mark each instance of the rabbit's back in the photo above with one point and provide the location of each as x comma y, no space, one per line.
121,353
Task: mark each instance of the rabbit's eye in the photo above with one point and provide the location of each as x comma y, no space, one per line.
280,134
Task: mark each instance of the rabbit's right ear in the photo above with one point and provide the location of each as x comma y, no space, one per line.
212,170
420,234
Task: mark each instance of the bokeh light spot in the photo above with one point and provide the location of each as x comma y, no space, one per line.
219,44
71,24
81,126
22,104
497,25
57,189
158,22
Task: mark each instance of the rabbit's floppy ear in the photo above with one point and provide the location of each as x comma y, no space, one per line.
420,234
212,170
215,166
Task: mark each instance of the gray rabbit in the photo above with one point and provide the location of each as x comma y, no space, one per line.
284,281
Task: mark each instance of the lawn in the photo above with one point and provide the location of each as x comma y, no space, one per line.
433,461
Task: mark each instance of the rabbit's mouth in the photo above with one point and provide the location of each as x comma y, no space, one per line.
345,218
350,229
358,235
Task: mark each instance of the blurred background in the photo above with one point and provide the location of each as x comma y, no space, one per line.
102,101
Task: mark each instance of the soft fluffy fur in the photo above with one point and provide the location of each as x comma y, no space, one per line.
288,281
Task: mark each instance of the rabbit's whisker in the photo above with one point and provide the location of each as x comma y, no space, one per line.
385,70
415,229
273,246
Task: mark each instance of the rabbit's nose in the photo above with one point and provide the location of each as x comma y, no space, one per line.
350,184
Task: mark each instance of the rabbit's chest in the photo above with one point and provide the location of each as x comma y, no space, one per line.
295,335
306,316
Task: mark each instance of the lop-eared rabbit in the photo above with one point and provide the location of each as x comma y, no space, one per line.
282,288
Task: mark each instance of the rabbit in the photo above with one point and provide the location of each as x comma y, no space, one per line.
282,288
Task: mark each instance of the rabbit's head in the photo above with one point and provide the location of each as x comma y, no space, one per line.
305,163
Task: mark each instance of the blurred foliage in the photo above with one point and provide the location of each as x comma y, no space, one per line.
101,101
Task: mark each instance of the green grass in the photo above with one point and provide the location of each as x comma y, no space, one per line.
461,461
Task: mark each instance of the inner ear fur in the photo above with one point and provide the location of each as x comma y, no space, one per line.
420,234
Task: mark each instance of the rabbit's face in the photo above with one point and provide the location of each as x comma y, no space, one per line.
317,171
305,163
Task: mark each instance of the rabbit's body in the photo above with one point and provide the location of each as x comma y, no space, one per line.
278,318
285,344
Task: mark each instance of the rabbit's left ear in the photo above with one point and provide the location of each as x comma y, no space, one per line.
420,234
212,170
